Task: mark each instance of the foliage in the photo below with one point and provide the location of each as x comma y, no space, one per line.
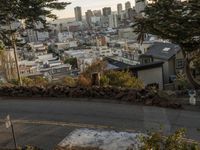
72,61
14,82
28,147
176,141
84,81
176,21
27,82
40,81
121,79
69,81
104,80
182,81
30,11
97,66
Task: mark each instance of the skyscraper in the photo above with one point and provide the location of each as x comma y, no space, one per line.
88,16
97,13
127,5
140,6
113,21
119,8
106,11
78,13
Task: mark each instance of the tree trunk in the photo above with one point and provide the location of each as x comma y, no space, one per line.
189,75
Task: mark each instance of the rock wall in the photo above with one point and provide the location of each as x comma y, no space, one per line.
144,97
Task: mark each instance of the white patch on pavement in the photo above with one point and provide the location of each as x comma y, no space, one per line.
105,140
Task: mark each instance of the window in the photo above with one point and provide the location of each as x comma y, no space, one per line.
180,64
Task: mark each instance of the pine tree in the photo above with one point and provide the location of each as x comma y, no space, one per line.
31,12
178,22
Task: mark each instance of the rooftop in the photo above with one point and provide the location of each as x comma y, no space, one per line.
163,50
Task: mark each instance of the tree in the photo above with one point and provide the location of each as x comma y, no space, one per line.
97,66
177,22
31,12
72,61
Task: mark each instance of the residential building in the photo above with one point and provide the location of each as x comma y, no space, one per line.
113,21
78,13
88,16
150,74
140,6
127,5
97,13
165,52
107,11
119,8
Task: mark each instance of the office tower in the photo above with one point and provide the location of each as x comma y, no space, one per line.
140,6
78,13
119,8
97,13
127,5
113,21
106,11
88,16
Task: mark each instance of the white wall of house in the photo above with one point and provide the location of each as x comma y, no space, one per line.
150,76
168,69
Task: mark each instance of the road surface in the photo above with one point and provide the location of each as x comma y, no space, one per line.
45,123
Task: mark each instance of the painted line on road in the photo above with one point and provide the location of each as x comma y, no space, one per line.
79,125
65,124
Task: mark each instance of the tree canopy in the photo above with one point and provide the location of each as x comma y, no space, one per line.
31,12
176,21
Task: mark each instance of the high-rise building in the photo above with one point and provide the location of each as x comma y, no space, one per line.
113,21
127,5
107,11
78,13
119,8
140,6
88,16
97,13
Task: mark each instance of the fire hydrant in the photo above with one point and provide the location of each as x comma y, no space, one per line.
192,99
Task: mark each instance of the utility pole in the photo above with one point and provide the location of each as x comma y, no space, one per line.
13,40
16,59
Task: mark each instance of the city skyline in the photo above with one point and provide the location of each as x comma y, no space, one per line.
97,5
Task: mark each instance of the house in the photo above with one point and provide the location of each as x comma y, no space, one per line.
168,53
150,74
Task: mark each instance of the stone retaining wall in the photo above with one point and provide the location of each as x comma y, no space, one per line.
144,97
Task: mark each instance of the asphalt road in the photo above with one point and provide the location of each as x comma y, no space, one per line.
46,123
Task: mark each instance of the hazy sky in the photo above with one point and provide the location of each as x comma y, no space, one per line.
89,4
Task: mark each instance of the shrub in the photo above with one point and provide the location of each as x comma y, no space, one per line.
14,81
123,79
176,141
98,66
69,81
40,81
182,81
104,81
84,81
27,82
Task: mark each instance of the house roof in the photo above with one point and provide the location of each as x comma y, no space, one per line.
121,66
163,50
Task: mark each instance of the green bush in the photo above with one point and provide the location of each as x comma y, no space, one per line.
121,79
69,81
104,81
27,82
40,81
176,141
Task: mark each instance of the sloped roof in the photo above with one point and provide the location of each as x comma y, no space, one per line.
163,50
